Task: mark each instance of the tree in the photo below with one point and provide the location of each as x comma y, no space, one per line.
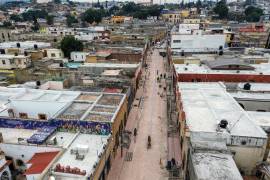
7,24
69,44
49,19
36,25
236,16
93,15
253,14
221,9
16,18
31,15
71,20
57,1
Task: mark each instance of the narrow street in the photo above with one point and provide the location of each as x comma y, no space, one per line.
150,118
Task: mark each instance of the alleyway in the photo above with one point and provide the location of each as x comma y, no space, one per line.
150,119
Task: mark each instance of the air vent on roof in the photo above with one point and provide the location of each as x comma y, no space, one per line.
223,124
183,53
185,69
247,86
38,83
220,53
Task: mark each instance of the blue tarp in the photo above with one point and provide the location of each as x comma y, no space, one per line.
41,136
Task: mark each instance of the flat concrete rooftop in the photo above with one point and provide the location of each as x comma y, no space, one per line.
206,104
91,146
11,135
203,69
213,166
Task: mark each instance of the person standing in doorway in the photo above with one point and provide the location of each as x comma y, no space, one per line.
135,134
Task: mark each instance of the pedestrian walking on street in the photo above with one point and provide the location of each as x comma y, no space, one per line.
135,134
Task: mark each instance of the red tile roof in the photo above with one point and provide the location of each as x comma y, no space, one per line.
40,161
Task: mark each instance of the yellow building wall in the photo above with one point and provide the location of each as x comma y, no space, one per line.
185,13
91,59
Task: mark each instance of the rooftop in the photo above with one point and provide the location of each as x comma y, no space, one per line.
24,44
40,161
256,86
17,135
109,65
261,119
65,105
203,69
212,166
250,95
89,146
97,107
213,103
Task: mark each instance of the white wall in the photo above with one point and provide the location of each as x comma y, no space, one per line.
53,85
246,158
195,42
78,56
55,53
33,108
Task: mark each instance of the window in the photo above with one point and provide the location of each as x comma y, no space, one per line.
42,116
53,55
23,115
3,62
176,41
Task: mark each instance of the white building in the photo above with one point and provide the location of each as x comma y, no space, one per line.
212,115
54,53
78,56
24,44
84,154
8,61
190,38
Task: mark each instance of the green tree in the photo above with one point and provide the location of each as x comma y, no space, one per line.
31,15
7,24
50,19
57,1
93,15
36,25
253,14
221,9
71,20
69,44
16,18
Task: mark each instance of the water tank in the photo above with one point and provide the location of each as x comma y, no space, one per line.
247,86
183,53
35,46
38,83
223,123
220,53
220,47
